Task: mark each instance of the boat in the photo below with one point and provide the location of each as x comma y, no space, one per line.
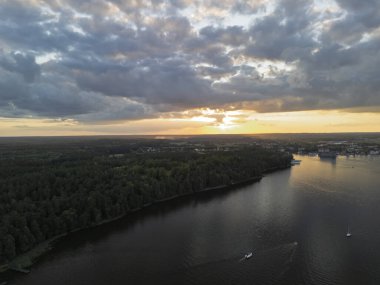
326,153
295,162
348,234
248,255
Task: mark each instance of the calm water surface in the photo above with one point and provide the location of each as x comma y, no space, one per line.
295,222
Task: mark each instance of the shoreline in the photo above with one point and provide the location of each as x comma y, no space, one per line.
23,262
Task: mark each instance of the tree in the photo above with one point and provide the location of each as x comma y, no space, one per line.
9,247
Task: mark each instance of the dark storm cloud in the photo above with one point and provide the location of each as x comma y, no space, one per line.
171,82
11,88
284,34
233,35
360,19
114,60
52,96
24,64
247,7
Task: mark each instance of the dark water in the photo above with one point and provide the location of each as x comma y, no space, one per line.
294,221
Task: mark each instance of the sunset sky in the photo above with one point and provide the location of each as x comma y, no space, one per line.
71,67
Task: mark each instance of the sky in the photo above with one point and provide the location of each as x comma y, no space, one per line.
125,67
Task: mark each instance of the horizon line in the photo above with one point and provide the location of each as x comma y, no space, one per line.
185,135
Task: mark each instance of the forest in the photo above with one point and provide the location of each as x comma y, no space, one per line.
48,188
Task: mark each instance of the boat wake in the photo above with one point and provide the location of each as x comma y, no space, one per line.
266,266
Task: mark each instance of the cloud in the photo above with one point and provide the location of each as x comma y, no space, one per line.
24,64
128,60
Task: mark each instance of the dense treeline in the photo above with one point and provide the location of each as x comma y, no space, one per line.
43,195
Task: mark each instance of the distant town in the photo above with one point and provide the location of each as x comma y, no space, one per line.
327,145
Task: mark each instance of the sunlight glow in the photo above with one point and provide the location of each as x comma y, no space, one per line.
211,122
203,119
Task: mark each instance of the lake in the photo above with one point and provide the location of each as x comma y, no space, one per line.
294,221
